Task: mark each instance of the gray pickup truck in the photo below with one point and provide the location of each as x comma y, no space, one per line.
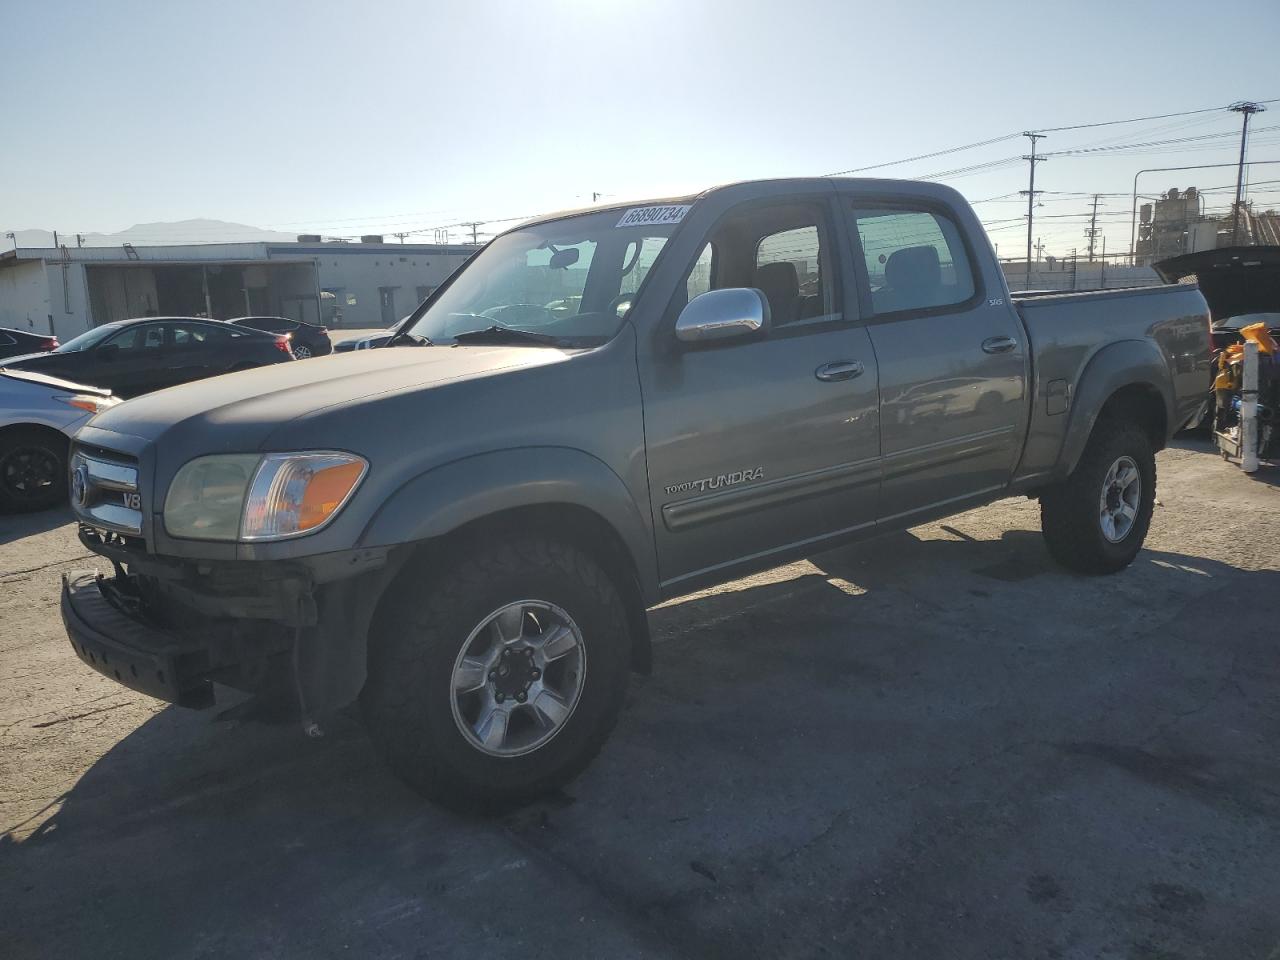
600,411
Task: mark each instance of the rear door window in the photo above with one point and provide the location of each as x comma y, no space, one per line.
138,338
915,259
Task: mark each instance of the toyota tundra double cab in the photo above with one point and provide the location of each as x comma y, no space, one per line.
463,530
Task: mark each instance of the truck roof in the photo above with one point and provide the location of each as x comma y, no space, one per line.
878,183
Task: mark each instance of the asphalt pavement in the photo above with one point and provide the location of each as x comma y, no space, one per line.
937,744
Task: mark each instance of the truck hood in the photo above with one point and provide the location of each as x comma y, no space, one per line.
239,411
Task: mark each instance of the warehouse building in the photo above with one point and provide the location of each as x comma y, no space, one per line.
64,291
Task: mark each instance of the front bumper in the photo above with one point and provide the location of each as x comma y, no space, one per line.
130,651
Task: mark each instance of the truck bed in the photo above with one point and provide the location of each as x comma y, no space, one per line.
1067,334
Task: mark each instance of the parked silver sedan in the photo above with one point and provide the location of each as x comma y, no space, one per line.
38,415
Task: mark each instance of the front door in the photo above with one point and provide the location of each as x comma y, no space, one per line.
133,361
387,304
952,362
762,446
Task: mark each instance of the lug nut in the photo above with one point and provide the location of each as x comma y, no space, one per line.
535,673
499,697
522,696
493,674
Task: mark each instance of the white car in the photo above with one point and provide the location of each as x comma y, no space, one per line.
38,415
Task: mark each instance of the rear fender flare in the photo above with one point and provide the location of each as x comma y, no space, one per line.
1114,367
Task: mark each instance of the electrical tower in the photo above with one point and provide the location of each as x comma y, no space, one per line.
1092,230
1031,192
1248,108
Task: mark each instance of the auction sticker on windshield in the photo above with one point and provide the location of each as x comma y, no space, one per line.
647,216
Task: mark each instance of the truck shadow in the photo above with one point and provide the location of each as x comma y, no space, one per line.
16,526
882,678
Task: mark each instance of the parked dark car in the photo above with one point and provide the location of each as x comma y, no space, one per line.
14,343
306,339
132,357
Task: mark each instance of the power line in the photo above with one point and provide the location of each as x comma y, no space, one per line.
923,156
1162,116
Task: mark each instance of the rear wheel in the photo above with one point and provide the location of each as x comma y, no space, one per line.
500,680
33,469
302,352
1096,520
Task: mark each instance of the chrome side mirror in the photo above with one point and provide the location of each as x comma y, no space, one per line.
727,314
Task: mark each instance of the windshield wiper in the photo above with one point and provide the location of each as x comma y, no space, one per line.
497,334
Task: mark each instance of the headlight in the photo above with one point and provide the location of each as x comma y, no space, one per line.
251,497
206,498
92,404
295,493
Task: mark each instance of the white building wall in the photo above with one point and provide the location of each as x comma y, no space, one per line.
359,272
24,297
68,298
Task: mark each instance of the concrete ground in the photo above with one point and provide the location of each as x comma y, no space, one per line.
933,745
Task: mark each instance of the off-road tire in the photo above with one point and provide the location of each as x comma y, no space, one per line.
50,444
1069,511
418,632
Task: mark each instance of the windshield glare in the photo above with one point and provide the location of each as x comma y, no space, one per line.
88,339
572,280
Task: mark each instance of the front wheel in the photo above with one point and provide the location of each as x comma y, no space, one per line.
1096,520
502,679
33,469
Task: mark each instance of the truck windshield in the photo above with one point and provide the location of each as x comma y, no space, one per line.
572,281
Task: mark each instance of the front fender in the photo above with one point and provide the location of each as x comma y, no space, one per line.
1117,365
449,496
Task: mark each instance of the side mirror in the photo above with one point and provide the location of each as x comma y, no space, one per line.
728,314
109,352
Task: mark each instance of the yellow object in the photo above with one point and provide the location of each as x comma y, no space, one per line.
1257,332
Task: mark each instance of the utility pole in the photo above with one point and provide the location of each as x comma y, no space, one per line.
1092,232
474,225
55,239
400,236
1031,195
79,240
1248,108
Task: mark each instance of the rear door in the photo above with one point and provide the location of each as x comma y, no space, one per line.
952,360
761,446
196,350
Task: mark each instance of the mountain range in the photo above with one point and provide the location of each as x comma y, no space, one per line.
153,234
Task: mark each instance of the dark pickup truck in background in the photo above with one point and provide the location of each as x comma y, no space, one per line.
464,530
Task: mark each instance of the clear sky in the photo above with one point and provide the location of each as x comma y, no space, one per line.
350,117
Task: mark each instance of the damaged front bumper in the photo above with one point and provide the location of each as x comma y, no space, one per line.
171,628
141,657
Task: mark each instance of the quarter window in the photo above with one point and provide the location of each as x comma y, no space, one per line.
915,259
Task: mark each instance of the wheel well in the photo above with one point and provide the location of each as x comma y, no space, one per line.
1143,404
562,521
37,428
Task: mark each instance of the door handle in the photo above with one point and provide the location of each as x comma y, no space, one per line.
999,344
839,370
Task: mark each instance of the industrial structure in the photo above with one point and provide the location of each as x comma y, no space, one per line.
1176,223
64,291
